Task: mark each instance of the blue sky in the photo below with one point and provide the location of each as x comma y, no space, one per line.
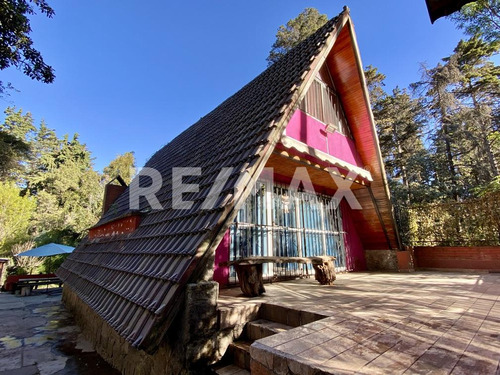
132,75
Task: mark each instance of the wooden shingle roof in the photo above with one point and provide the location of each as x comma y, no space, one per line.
135,281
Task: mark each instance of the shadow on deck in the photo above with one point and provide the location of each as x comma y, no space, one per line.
367,323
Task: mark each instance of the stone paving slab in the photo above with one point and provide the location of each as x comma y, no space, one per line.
381,323
39,337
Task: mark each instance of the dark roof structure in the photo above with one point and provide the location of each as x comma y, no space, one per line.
442,8
135,281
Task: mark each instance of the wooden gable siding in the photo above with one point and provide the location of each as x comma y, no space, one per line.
346,70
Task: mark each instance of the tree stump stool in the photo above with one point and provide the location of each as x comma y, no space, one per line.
249,270
324,270
250,278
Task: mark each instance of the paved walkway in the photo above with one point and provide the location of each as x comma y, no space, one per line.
38,336
417,323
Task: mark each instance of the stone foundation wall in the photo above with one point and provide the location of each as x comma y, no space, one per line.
192,343
381,260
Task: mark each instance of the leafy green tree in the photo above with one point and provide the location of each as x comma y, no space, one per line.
123,165
68,190
295,31
59,175
16,45
25,265
480,17
16,212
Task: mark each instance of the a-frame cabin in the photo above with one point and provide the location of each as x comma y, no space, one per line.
298,144
330,141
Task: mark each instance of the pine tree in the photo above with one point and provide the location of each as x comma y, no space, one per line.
375,83
15,147
446,132
400,122
478,88
295,31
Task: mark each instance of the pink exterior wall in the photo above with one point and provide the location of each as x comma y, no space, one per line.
307,129
310,131
355,256
221,274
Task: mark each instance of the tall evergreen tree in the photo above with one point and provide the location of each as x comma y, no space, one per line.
400,123
295,31
478,88
461,95
15,146
375,83
58,173
442,106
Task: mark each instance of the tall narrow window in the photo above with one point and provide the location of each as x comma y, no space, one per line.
323,103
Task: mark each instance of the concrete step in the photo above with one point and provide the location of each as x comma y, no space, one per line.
238,353
261,328
231,370
287,316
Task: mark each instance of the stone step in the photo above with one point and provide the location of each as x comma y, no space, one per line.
231,370
238,353
261,328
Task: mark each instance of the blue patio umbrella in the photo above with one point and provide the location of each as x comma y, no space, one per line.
47,250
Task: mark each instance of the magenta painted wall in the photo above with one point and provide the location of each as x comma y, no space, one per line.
355,255
221,274
310,131
307,129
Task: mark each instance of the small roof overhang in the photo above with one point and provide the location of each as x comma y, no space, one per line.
442,8
329,160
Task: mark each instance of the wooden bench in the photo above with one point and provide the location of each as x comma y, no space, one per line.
27,285
249,270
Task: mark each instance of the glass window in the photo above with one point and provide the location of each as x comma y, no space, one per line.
277,221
